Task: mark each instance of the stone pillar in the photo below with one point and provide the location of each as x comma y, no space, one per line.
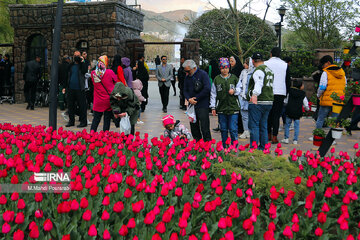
134,47
319,53
190,49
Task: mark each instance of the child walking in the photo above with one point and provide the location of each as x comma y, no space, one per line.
137,87
174,129
294,111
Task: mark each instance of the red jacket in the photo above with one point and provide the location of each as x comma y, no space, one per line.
120,75
102,91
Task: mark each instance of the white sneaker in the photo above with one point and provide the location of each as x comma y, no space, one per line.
285,140
65,116
245,134
295,142
311,138
280,129
291,128
334,143
140,122
89,122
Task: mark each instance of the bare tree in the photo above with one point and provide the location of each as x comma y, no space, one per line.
234,21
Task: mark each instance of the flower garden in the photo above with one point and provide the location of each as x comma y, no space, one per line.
139,188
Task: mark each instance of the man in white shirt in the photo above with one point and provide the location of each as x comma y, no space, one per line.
280,87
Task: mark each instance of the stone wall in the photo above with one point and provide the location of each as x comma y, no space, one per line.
105,26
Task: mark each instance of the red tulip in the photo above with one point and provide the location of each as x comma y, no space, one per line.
325,207
178,192
19,218
319,232
5,228
105,215
138,206
34,232
295,218
106,235
87,215
18,235
222,223
149,218
295,227
131,223
39,213
118,207
174,236
8,216
84,203
92,231
229,235
206,236
21,204
160,227
123,230
156,237
288,233
48,225
247,224
183,223
3,200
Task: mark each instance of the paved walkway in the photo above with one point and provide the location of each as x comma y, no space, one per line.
16,114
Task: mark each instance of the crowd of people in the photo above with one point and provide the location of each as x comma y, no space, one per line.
249,98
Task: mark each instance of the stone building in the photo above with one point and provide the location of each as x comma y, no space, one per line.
96,27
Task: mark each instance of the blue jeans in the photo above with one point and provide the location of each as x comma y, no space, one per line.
228,123
245,119
322,114
296,128
258,117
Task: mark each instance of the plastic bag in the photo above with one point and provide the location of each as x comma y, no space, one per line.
190,112
125,125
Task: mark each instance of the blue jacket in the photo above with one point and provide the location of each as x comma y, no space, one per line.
202,97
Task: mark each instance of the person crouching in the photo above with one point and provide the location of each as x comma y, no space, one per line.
174,129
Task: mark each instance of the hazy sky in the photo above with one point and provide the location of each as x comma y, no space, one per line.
257,6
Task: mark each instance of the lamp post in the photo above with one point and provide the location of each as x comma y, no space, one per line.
281,11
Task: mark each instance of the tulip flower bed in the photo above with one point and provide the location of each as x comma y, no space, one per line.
133,188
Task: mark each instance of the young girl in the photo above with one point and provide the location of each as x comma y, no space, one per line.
174,129
137,87
293,110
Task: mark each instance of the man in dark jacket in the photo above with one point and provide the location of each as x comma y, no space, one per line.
75,87
31,76
157,61
181,78
197,92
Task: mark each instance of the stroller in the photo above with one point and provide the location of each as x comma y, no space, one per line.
7,90
42,93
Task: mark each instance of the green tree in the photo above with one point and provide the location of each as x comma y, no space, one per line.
291,41
218,34
319,23
6,31
152,50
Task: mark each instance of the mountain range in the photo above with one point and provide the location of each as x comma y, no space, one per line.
167,25
172,25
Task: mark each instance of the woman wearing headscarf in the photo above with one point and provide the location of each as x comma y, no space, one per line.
236,68
224,101
244,104
104,81
118,70
143,75
214,71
